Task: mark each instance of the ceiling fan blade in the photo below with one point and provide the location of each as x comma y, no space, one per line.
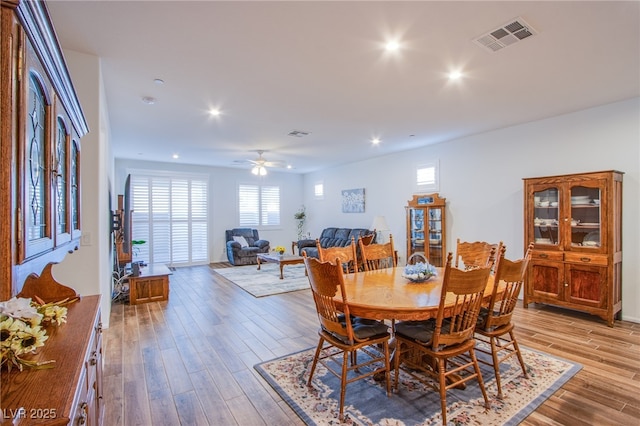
277,164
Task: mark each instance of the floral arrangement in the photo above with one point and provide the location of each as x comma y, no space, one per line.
22,332
419,272
279,249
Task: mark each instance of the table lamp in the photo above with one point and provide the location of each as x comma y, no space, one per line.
379,224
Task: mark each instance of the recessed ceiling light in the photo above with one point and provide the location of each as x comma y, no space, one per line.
158,81
392,46
149,100
289,166
175,156
455,75
214,112
375,141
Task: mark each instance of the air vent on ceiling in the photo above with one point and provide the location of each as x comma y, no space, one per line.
506,35
298,133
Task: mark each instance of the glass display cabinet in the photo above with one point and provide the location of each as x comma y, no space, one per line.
575,223
426,227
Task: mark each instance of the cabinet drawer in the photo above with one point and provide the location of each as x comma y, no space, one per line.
587,259
547,255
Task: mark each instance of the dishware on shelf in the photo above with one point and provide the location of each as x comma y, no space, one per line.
577,200
574,222
543,204
543,240
596,202
591,239
554,204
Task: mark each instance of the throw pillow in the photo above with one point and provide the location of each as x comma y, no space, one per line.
241,240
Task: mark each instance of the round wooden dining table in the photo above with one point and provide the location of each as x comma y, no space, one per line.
386,294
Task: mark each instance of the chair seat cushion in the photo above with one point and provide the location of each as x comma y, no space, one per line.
482,319
363,328
421,331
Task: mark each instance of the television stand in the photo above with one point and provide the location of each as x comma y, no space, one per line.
151,285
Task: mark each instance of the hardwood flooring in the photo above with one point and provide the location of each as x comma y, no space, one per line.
189,361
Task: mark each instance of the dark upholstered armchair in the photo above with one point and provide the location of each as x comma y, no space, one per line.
243,244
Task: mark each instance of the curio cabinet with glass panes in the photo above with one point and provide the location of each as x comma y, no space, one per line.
426,227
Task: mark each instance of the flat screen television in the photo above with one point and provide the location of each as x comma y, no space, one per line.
126,220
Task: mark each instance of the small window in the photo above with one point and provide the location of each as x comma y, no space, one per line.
259,205
318,191
427,177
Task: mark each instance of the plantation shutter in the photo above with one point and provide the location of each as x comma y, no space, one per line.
258,205
170,213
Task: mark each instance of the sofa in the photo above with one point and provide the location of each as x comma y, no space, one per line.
243,245
331,237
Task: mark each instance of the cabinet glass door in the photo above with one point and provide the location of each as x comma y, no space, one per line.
585,216
417,230
435,236
545,223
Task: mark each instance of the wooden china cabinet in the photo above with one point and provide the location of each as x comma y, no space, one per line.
426,227
41,123
575,222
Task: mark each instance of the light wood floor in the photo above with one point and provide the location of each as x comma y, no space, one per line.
190,360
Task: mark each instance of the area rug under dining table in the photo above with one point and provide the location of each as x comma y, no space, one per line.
266,281
366,401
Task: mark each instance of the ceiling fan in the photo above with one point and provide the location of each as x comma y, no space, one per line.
260,164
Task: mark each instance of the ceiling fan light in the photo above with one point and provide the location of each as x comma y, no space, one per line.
259,170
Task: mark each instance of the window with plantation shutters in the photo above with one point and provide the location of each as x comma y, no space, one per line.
170,214
427,177
258,205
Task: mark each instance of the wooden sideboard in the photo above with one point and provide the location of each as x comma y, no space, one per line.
69,393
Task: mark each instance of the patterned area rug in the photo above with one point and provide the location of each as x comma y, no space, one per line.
266,281
366,401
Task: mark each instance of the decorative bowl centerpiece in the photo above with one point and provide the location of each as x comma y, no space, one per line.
279,249
419,272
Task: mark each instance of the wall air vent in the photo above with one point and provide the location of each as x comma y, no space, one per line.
298,133
506,35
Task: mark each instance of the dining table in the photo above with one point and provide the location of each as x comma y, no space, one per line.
386,294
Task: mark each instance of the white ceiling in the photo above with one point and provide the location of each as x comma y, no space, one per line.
319,67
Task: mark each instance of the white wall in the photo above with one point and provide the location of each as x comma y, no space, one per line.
481,178
223,204
88,270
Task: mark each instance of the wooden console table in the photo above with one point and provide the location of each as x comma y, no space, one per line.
152,285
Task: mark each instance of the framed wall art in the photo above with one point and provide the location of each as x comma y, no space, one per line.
353,200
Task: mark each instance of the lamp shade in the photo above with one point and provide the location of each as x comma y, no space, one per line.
379,224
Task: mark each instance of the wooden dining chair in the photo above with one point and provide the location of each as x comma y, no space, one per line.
367,239
494,322
446,342
378,256
478,254
344,334
347,255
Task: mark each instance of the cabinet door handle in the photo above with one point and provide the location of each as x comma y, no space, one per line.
83,413
585,259
543,255
94,358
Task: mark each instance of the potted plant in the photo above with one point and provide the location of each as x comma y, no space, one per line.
300,216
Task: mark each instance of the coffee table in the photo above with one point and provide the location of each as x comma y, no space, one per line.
281,260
